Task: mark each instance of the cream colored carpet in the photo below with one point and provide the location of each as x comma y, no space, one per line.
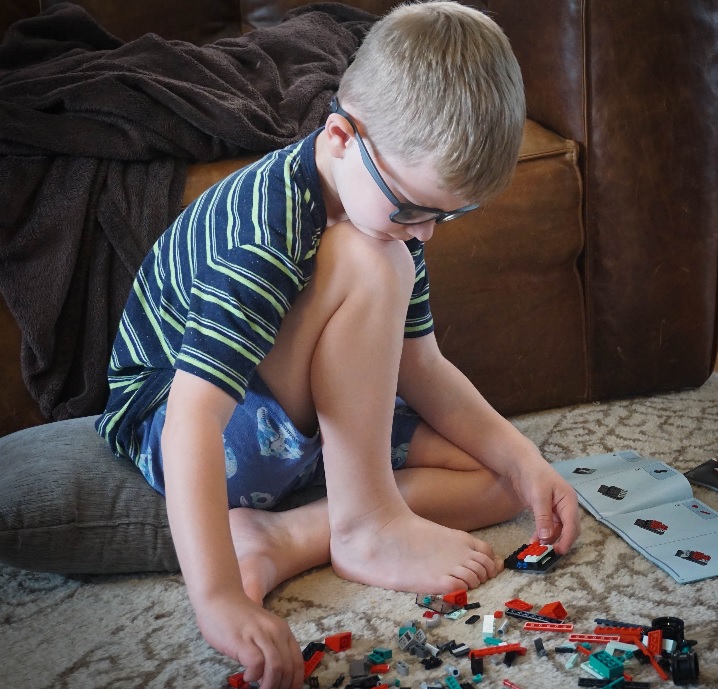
138,631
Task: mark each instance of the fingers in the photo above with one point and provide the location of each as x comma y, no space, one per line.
543,516
295,663
275,662
563,523
252,659
568,514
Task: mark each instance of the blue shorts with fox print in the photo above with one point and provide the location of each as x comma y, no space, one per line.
266,457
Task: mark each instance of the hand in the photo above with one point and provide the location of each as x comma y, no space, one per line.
552,500
262,642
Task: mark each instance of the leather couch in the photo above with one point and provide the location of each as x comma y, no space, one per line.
594,275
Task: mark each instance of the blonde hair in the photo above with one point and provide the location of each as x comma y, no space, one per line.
438,81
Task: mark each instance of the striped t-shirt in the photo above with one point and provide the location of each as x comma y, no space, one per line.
210,296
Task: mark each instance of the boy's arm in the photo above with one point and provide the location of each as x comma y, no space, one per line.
196,490
446,400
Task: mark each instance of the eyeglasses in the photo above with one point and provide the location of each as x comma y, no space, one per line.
406,213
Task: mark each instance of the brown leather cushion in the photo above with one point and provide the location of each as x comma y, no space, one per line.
256,13
506,293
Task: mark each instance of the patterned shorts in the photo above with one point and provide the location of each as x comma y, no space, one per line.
266,457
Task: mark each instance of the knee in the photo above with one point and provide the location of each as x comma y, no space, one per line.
383,267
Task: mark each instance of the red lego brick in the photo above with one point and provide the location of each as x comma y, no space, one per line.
655,642
498,614
554,609
661,672
311,664
456,598
546,627
493,650
518,604
339,642
237,681
594,638
532,551
625,634
380,669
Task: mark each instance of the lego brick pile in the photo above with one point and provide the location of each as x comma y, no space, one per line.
608,657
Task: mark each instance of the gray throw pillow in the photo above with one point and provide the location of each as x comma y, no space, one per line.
68,505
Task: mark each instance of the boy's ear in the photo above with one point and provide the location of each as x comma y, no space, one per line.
339,134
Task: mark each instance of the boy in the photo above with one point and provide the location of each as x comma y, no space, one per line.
271,327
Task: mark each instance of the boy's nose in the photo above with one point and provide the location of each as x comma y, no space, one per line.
424,231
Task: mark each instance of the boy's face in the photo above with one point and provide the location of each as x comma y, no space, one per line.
366,196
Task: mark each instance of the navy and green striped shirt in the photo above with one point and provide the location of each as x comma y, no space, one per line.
210,296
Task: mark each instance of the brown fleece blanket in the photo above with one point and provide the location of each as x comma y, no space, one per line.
95,137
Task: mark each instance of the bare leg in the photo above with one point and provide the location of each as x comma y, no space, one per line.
336,363
272,547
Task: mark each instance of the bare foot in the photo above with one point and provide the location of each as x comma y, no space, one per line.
398,550
271,547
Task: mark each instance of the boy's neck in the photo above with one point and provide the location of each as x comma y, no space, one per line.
332,202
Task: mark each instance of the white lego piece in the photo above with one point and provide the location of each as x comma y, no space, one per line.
489,621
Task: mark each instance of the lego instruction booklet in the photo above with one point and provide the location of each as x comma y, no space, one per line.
651,506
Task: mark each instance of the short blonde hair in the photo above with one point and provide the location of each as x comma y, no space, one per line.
438,82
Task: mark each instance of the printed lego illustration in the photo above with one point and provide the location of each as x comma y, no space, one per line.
694,556
652,525
613,492
583,470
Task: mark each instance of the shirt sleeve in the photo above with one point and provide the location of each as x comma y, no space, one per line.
236,307
419,320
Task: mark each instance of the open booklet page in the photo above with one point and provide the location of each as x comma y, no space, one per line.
651,506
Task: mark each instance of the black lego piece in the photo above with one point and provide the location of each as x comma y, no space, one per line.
431,662
477,665
460,650
615,623
531,617
684,667
591,682
448,646
311,648
510,657
540,650
365,682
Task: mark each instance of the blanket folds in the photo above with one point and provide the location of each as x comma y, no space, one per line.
95,137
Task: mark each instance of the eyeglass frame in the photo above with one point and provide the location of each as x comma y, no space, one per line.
439,216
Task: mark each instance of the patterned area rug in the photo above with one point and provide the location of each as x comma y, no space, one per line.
138,631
